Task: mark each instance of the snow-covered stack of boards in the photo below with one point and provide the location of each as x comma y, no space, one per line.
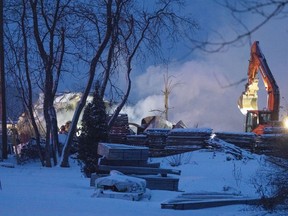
136,140
188,139
156,137
274,144
162,142
243,140
133,160
120,186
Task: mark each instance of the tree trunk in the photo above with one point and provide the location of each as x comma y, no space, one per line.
123,102
37,134
94,62
54,133
47,140
3,88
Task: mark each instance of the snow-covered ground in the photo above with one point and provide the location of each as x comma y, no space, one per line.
34,190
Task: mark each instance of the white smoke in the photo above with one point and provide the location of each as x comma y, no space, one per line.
197,97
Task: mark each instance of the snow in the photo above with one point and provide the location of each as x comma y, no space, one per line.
122,182
34,190
193,130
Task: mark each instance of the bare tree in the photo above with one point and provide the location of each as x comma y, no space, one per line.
92,69
25,86
168,87
130,32
50,40
144,32
266,10
36,35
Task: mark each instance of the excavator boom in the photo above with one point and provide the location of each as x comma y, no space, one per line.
249,98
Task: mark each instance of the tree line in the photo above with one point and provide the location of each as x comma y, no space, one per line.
46,40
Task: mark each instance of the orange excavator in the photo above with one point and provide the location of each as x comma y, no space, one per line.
258,120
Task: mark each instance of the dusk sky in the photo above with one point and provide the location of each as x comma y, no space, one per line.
200,98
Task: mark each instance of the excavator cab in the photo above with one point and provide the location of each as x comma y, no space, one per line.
256,120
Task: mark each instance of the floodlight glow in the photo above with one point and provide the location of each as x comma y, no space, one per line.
285,122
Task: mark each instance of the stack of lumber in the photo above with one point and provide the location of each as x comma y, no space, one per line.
275,130
133,160
187,139
121,152
156,140
120,129
242,140
230,149
274,144
136,140
164,142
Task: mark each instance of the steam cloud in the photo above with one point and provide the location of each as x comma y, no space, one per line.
197,97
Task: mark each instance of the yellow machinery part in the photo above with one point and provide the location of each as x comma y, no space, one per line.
249,99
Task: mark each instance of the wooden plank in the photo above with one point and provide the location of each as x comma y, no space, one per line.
140,163
161,183
208,203
190,131
139,170
115,151
206,200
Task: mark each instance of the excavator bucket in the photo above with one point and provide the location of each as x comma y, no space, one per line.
249,99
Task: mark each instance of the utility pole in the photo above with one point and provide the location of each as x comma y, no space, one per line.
3,86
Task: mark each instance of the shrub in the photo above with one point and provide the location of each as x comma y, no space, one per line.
94,129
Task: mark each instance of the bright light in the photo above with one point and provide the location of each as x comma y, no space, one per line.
285,122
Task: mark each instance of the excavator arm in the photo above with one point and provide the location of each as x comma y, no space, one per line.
249,98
